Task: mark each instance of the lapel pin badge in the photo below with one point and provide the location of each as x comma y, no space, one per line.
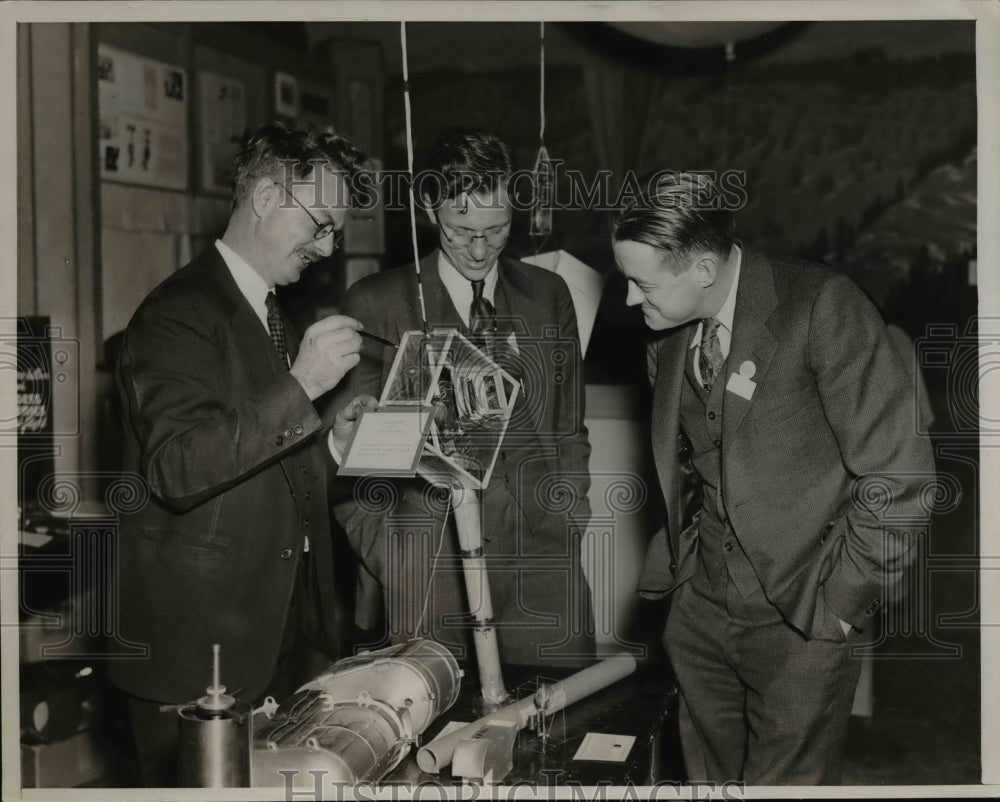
742,383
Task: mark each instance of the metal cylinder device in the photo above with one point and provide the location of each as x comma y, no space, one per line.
214,738
357,720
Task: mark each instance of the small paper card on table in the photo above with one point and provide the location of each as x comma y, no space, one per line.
604,747
387,442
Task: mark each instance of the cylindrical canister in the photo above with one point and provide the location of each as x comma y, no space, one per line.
215,746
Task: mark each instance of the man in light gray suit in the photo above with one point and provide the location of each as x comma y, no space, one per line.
779,395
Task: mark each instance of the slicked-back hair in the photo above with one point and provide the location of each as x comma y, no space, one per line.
679,214
275,151
464,160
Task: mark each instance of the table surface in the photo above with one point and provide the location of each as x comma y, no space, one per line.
642,705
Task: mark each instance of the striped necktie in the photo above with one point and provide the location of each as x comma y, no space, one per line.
710,358
482,315
275,327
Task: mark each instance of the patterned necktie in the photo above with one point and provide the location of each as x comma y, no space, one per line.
482,315
710,357
275,327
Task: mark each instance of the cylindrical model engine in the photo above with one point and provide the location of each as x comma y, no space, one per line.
357,720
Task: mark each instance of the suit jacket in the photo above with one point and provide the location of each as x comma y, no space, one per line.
224,438
547,438
817,464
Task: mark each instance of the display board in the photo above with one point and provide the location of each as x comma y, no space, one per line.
142,110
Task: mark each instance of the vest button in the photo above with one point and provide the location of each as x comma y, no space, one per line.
728,545
673,566
286,554
279,440
718,444
711,416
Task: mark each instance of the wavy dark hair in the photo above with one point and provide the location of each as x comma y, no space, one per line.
270,150
678,214
464,160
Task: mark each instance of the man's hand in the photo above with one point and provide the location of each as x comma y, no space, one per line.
345,420
329,349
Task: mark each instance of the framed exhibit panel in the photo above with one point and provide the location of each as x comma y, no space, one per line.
142,119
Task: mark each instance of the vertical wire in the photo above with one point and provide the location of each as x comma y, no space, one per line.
420,287
409,164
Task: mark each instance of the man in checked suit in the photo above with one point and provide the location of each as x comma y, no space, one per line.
222,416
779,395
536,504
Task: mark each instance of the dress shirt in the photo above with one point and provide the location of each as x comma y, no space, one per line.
460,288
253,287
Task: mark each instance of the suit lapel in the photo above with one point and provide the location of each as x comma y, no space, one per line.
257,352
753,344
666,415
440,309
260,359
515,293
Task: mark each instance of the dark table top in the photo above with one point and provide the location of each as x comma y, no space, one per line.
642,705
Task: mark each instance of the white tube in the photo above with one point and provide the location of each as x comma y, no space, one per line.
432,757
465,506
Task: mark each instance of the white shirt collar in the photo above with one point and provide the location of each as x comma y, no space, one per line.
460,288
253,287
728,311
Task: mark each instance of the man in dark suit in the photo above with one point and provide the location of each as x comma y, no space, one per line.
535,505
221,417
780,400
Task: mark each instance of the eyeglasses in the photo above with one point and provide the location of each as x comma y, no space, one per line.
322,229
494,237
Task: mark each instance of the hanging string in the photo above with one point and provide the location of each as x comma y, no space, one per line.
541,94
409,164
540,224
420,288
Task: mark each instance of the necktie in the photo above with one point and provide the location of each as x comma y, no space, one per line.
710,357
275,327
482,315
